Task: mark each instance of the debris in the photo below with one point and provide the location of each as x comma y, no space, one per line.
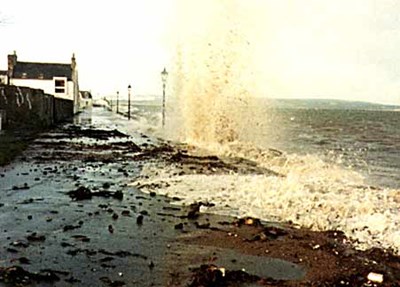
21,187
70,227
125,213
20,244
139,219
212,275
179,226
81,193
35,237
72,280
247,221
202,225
82,238
375,277
18,276
24,260
151,265
194,210
270,233
144,212
112,283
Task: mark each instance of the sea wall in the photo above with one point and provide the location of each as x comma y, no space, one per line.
24,107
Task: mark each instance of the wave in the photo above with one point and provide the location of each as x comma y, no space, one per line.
309,193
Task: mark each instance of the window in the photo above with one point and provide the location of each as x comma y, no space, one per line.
59,85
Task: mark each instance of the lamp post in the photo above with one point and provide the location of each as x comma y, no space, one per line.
129,102
117,102
164,76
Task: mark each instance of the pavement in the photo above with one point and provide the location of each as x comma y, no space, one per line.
68,217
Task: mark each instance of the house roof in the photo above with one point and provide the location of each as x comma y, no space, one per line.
46,71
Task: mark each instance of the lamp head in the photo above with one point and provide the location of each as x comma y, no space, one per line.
164,76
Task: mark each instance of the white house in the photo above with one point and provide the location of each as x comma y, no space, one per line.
3,77
60,80
85,99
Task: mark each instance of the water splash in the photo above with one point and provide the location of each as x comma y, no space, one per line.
213,72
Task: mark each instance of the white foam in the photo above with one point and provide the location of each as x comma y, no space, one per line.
312,194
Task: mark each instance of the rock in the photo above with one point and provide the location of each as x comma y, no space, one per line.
269,233
70,227
112,283
12,250
81,193
205,225
23,187
20,244
139,219
211,275
151,265
118,195
24,260
248,221
36,237
144,212
194,210
82,238
17,276
179,226
125,213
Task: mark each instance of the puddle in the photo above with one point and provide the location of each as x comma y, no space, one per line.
264,267
261,266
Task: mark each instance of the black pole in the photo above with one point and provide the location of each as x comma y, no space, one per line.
163,106
129,102
117,102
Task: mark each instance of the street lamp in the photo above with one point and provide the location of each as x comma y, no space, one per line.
129,102
164,76
117,102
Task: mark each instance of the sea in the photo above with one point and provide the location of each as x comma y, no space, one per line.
339,163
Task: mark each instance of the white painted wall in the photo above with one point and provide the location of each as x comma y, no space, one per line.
3,79
47,86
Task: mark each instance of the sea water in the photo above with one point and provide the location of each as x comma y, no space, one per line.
339,167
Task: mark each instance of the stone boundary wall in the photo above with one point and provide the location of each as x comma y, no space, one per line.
24,107
63,110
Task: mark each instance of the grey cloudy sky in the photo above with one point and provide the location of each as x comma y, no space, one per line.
346,49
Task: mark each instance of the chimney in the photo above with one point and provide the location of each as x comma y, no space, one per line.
73,62
12,61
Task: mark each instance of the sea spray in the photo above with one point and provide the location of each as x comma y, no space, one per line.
213,73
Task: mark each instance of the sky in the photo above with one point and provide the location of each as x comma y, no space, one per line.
342,49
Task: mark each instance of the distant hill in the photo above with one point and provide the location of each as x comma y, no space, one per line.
329,104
